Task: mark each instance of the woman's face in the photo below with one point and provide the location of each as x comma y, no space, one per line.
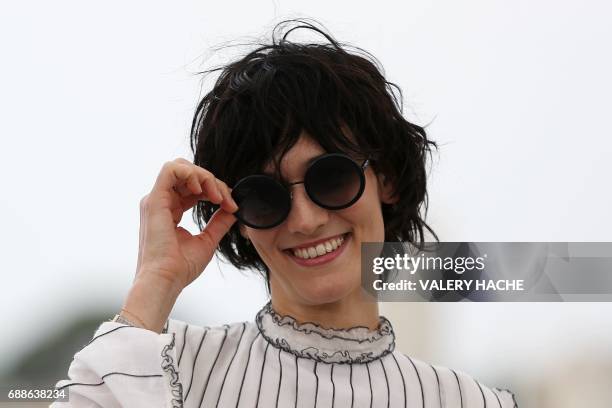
340,277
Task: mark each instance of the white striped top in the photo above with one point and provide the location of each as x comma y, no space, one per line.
271,362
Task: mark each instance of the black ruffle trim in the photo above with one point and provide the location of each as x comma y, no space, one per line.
385,329
168,366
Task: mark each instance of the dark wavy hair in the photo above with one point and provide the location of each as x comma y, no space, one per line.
261,103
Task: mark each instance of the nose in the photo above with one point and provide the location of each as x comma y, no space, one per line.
305,216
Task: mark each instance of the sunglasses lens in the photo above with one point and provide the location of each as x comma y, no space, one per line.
334,182
262,201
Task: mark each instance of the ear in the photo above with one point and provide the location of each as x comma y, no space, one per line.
385,190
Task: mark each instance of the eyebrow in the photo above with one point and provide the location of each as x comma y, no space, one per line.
308,163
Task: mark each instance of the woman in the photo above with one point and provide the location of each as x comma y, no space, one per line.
320,159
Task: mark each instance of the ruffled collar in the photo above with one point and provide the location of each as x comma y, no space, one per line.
357,344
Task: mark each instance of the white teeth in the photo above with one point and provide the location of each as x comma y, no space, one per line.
319,249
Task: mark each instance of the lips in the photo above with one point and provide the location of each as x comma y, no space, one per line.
321,259
315,243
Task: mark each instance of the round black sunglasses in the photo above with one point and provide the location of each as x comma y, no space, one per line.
333,181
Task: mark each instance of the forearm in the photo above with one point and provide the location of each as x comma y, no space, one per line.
150,300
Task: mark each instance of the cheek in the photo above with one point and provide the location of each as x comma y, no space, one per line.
366,216
265,243
368,207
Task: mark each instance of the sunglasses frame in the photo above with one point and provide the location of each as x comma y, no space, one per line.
287,188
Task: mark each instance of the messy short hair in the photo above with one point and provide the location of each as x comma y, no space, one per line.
260,104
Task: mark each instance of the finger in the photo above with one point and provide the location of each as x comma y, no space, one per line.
202,174
182,160
186,189
218,225
141,230
190,187
228,202
206,180
212,189
196,195
174,177
171,175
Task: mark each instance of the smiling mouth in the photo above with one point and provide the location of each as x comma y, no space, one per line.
316,251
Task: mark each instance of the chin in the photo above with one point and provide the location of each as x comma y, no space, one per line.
327,291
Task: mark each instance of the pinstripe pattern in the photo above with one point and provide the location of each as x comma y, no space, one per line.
484,400
459,387
316,393
263,366
331,377
195,361
230,364
280,376
438,384
351,384
235,366
246,368
386,383
296,380
370,384
404,382
183,347
213,365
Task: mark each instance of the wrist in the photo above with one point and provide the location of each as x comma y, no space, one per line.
161,286
121,318
149,302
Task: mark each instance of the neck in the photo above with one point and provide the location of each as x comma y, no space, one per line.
350,311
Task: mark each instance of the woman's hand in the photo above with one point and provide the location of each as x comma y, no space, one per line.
170,252
169,257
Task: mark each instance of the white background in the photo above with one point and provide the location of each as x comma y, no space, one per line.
96,96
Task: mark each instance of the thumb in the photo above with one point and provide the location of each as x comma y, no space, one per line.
206,242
